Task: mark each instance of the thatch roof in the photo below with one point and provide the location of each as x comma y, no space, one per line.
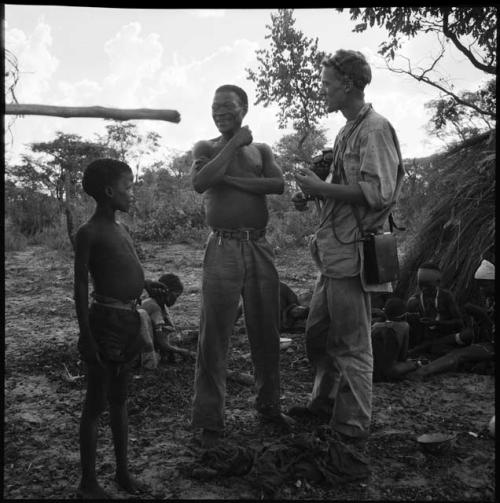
457,225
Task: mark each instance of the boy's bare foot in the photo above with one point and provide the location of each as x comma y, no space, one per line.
209,438
129,483
91,491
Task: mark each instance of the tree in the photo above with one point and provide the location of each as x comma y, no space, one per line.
472,30
451,119
289,154
131,146
59,169
289,76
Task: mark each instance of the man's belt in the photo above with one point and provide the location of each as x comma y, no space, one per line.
240,234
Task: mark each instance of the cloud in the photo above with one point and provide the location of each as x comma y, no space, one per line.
134,60
83,93
36,62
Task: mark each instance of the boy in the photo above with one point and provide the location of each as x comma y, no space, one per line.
432,312
390,343
475,343
160,319
109,330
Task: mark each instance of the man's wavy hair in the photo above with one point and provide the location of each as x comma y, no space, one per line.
352,65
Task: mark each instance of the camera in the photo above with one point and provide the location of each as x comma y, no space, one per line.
320,165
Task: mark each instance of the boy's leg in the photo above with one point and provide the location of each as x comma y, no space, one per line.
117,397
94,405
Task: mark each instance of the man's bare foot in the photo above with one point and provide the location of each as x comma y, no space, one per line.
209,438
129,483
91,491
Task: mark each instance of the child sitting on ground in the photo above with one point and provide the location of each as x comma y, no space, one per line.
390,343
159,325
475,343
110,339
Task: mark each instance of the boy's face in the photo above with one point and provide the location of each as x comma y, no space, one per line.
168,299
227,111
121,192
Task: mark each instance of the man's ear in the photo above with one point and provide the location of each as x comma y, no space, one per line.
108,190
348,84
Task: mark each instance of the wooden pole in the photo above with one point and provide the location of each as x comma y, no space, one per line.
120,114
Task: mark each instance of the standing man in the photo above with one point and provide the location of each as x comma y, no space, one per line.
235,175
338,327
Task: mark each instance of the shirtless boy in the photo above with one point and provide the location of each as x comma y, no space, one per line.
109,330
235,175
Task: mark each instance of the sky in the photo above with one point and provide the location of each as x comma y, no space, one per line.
176,58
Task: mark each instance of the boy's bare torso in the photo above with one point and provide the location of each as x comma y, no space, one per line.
113,262
228,207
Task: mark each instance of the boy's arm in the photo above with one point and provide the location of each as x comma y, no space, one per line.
270,183
207,171
86,343
455,322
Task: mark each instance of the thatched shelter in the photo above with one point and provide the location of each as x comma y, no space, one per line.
455,225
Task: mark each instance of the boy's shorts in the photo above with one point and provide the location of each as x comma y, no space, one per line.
116,332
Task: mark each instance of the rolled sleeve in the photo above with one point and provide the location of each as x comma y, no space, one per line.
379,167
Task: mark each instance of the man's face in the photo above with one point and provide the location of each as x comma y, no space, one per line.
333,89
227,111
122,192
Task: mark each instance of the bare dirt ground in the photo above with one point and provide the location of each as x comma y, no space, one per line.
43,403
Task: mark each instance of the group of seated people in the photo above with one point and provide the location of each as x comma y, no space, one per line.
411,340
429,327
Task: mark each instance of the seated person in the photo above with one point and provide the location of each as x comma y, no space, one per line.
293,312
390,343
431,312
476,342
160,321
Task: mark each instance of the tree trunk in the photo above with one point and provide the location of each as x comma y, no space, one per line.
70,225
121,114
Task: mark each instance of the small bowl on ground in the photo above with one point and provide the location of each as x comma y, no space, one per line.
285,342
436,443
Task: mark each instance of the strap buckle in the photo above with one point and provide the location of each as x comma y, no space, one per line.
247,235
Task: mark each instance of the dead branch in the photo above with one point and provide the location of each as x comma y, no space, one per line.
120,114
423,78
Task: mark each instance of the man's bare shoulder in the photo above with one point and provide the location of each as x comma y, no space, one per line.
263,148
205,148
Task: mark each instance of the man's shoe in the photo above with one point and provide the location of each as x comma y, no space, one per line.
307,413
209,438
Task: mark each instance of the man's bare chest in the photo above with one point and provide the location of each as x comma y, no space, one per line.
247,162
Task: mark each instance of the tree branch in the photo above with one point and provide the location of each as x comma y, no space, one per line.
468,54
121,114
423,78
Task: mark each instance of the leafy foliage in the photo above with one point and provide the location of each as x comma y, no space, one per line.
452,119
289,74
472,30
458,24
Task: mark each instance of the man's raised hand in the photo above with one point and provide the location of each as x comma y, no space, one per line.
243,136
